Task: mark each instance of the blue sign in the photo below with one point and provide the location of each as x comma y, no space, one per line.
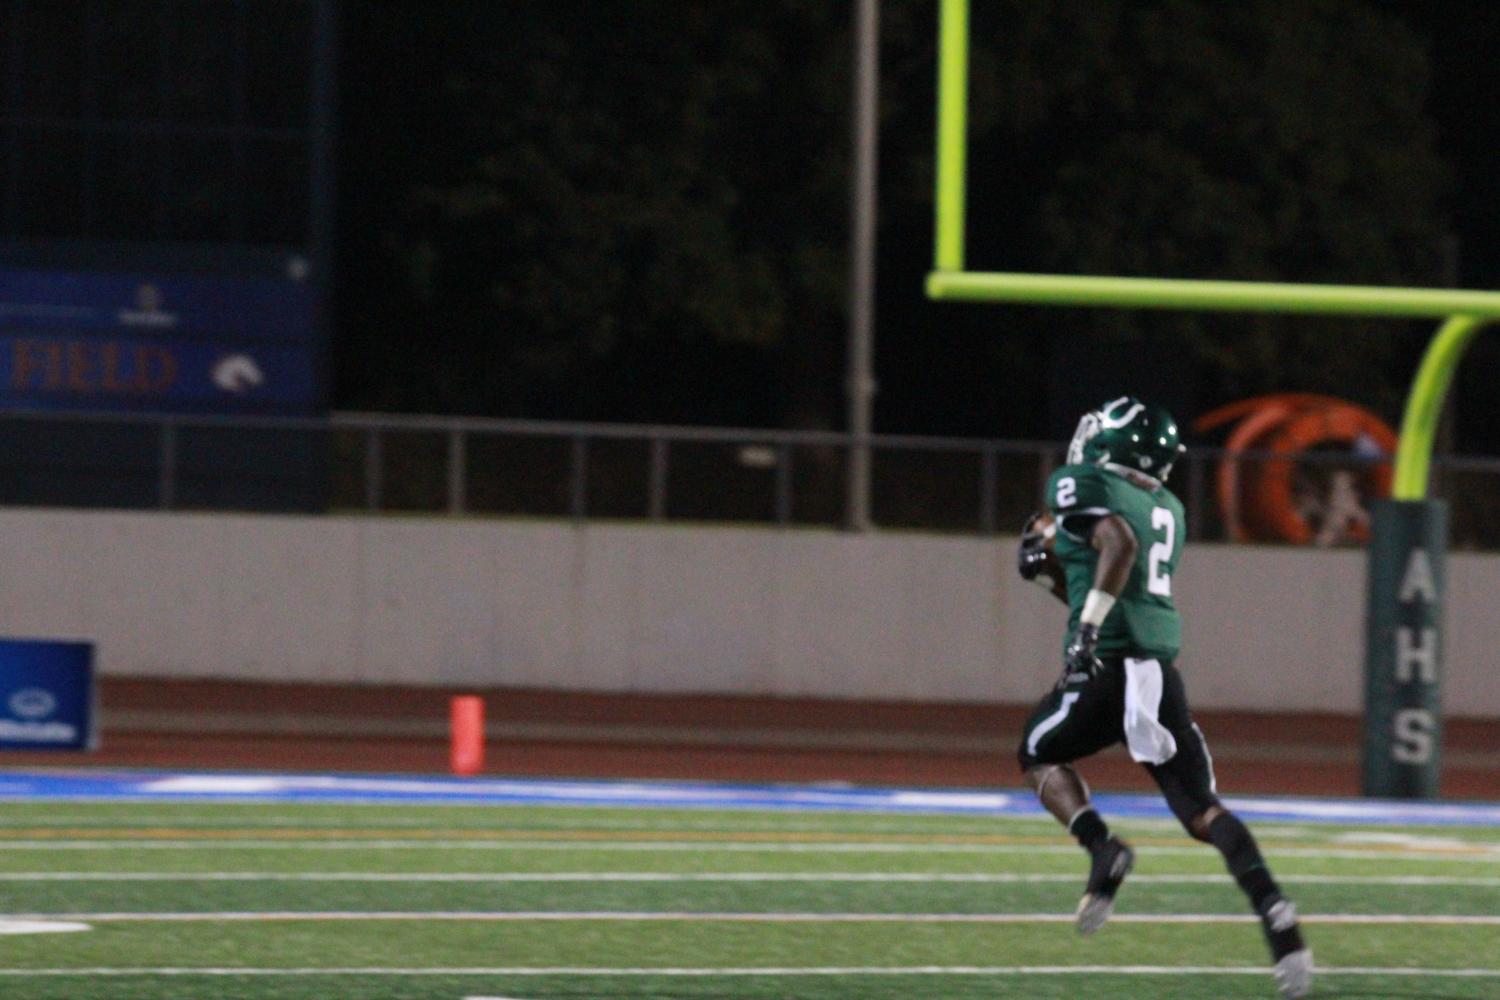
45,372
217,307
184,343
46,695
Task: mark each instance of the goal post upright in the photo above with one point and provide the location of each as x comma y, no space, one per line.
953,134
1424,404
1402,729
1405,588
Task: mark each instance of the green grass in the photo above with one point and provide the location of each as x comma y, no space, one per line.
433,874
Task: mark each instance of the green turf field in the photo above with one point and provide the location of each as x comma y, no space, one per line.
317,901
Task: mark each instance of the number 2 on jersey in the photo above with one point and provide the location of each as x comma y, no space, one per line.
1158,580
1067,491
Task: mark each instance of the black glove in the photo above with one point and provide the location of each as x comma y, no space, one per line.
1032,556
1079,661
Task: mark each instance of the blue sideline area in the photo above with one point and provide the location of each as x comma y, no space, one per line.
164,786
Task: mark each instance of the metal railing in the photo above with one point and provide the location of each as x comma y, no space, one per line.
470,466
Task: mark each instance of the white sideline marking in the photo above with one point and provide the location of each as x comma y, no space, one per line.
992,878
42,926
1483,853
1409,840
634,916
627,792
875,970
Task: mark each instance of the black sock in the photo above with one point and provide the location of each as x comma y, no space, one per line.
1089,829
1242,855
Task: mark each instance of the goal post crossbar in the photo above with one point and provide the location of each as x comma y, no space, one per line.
1188,294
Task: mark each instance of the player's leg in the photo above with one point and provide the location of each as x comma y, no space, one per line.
1187,783
1278,916
1073,722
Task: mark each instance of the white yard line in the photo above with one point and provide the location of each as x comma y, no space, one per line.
633,916
993,878
874,970
1481,854
11,928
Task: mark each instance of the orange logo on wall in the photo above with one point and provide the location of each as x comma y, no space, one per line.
91,367
1294,487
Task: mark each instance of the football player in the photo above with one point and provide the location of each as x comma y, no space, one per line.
1108,548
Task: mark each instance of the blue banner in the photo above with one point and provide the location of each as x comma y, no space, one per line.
217,307
42,372
46,695
182,343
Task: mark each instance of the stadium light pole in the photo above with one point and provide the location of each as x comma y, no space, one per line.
860,385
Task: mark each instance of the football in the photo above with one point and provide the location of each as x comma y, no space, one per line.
1041,528
1035,558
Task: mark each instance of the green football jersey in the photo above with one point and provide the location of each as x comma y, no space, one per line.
1144,621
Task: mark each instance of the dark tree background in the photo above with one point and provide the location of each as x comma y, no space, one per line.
636,210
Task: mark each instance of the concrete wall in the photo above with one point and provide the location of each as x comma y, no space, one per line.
673,609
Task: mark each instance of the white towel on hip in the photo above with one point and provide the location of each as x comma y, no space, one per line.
1148,740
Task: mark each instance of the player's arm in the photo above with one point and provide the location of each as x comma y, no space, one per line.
1116,545
1112,538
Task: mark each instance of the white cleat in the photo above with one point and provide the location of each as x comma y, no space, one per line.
1294,973
1107,869
1093,912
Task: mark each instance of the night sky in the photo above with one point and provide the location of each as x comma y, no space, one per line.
388,128
1464,39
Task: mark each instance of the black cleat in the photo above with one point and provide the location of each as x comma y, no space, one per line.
1111,863
1293,968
